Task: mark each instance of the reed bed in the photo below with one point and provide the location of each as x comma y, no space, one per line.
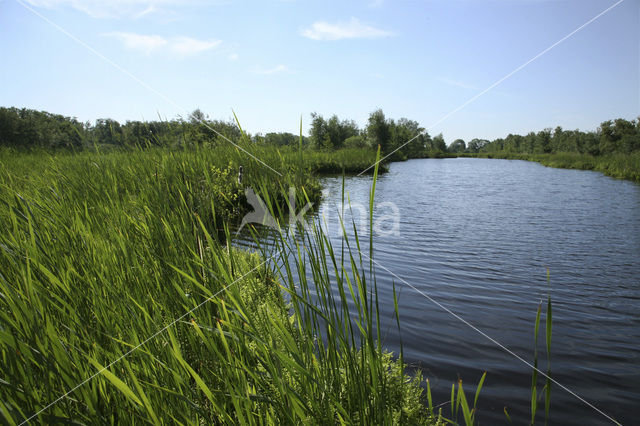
122,301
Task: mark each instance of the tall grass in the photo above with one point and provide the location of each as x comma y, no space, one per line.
534,376
121,300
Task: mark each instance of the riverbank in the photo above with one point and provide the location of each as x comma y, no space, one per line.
122,301
620,166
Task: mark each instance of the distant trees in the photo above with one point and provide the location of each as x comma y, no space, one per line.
457,146
357,141
379,131
619,135
108,131
332,133
542,143
200,130
281,139
392,136
405,130
475,145
401,139
514,143
439,144
26,128
612,136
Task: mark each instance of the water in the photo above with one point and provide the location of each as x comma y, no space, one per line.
478,236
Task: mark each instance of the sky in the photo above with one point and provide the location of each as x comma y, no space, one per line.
275,62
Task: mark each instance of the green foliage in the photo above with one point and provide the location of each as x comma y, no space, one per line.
405,130
534,377
332,133
379,131
348,160
612,137
281,139
113,272
475,145
457,146
439,144
25,128
357,141
459,404
29,129
614,149
619,136
400,140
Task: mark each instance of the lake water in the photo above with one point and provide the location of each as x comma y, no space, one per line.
477,236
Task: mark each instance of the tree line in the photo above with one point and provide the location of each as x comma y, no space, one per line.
28,129
612,136
391,135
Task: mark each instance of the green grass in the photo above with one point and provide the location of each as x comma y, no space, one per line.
347,160
118,285
620,166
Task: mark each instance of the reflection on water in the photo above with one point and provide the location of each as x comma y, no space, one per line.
478,236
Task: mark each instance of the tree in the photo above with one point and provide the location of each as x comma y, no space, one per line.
477,145
543,141
194,129
357,141
108,131
281,139
27,128
332,133
457,146
619,135
512,143
339,131
378,131
318,132
560,141
529,142
197,117
405,130
439,144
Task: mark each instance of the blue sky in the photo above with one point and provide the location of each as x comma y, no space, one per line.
274,61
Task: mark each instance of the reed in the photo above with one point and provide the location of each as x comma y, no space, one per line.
121,300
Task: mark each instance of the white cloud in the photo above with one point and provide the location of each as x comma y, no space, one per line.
108,8
343,30
182,46
145,43
277,69
233,56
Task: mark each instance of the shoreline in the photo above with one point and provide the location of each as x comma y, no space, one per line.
618,166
